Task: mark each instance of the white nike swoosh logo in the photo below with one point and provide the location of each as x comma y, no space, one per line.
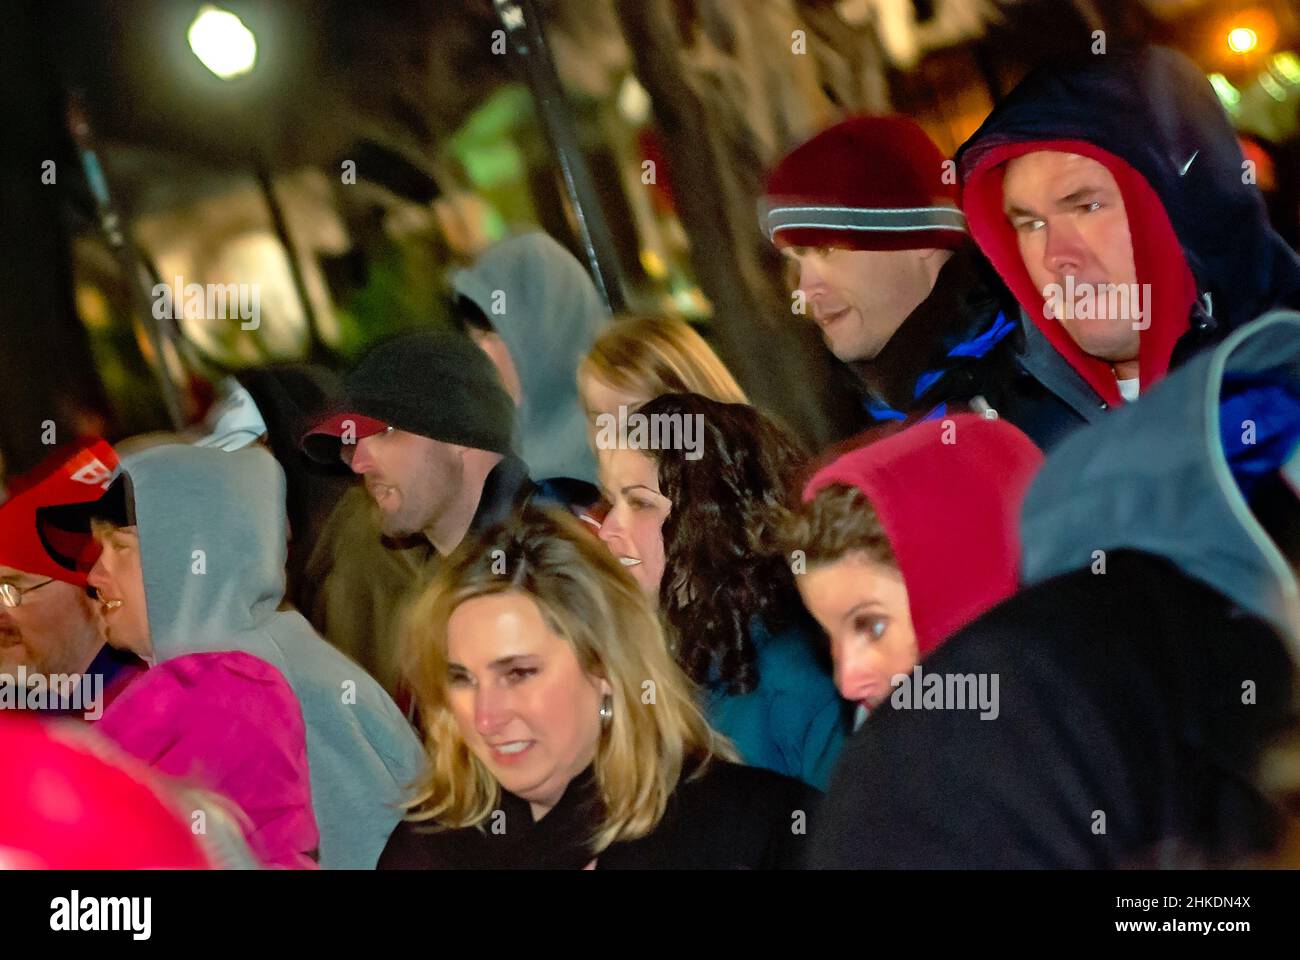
1188,165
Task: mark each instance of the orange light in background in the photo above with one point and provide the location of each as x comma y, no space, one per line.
1247,35
1242,39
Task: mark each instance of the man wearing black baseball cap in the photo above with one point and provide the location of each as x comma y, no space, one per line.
428,425
425,422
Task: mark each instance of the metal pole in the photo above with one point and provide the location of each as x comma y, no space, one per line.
133,270
317,351
524,28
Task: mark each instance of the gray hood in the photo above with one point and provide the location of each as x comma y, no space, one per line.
212,546
1154,476
550,317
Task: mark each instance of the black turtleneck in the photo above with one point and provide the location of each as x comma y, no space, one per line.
731,817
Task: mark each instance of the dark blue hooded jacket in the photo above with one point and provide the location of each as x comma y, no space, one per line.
1179,165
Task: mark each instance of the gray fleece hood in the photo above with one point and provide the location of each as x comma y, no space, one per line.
546,309
1169,475
212,534
213,547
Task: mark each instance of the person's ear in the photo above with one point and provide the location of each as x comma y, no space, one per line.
606,690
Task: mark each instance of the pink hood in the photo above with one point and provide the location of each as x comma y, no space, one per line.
228,723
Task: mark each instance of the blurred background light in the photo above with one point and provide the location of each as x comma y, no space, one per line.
1287,67
1242,39
222,43
1229,95
1272,87
633,101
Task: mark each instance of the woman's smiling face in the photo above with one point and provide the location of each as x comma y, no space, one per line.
522,702
633,528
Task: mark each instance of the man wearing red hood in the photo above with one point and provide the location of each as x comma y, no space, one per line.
1112,197
47,619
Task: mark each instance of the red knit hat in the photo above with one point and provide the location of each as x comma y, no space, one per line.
78,473
867,183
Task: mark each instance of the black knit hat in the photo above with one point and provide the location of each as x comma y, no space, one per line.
434,383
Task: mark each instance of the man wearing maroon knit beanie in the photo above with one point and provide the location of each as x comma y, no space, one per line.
866,213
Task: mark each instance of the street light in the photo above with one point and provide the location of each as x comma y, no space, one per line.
1242,39
222,43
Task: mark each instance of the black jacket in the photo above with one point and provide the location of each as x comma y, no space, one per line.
952,329
1121,737
959,350
1154,109
1142,673
732,817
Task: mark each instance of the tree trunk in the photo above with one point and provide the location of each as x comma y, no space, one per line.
47,373
777,358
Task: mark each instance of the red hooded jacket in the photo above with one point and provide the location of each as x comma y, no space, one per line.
1199,227
1157,257
948,495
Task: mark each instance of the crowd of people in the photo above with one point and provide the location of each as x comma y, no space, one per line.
547,591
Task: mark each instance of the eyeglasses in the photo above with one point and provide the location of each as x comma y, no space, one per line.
11,595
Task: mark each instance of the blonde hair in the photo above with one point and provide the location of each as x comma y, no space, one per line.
588,599
652,355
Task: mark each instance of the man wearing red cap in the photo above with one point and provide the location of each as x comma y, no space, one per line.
866,212
47,619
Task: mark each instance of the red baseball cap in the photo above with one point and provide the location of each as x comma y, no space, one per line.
323,441
75,474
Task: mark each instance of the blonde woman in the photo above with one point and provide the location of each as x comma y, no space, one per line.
559,731
639,358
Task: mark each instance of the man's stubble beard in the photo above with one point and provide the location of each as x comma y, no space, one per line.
433,493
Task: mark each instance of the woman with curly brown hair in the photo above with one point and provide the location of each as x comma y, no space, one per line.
692,521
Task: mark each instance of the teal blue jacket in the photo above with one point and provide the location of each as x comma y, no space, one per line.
794,721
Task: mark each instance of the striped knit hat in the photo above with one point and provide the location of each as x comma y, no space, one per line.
867,183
